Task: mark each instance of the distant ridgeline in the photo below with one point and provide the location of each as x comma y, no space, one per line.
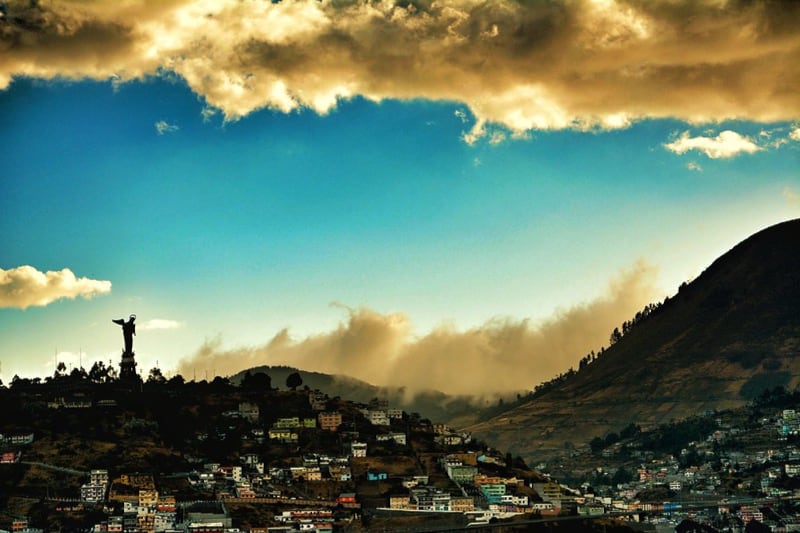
723,339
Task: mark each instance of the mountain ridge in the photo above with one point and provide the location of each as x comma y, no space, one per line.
724,337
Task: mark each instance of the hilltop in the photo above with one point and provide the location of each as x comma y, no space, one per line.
431,404
719,342
270,455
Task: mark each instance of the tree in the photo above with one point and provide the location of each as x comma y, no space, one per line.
156,376
631,430
98,373
597,444
176,381
294,380
615,336
258,382
621,476
78,373
61,370
220,383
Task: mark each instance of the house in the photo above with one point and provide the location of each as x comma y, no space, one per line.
244,491
397,438
340,473
283,435
465,458
346,497
358,449
378,417
394,413
20,439
163,521
462,473
250,459
792,470
494,492
20,524
148,498
462,504
249,411
430,499
231,472
286,423
314,474
297,472
166,504
399,501
114,524
9,457
317,400
99,477
330,421
548,492
513,499
452,440
93,492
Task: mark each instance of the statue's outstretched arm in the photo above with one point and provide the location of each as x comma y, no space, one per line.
119,321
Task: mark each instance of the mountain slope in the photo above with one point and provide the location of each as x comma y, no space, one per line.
721,340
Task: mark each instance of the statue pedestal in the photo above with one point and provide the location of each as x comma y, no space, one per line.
127,367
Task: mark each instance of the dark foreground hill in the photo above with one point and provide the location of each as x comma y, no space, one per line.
723,339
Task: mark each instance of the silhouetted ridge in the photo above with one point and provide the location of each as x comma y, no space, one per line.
721,340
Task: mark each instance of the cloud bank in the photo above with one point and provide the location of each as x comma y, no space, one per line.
502,355
580,64
24,287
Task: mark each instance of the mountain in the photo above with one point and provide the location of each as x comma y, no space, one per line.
719,342
435,405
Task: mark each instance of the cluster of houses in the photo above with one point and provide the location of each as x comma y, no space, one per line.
475,490
9,444
759,458
16,439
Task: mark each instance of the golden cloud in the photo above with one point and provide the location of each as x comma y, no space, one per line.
25,286
502,355
725,145
581,64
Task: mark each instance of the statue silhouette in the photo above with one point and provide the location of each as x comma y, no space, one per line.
128,331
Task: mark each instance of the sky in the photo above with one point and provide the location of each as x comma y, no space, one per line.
461,195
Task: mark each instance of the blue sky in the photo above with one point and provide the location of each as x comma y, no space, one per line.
221,226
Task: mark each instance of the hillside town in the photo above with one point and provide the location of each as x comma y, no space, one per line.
298,460
721,469
295,459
